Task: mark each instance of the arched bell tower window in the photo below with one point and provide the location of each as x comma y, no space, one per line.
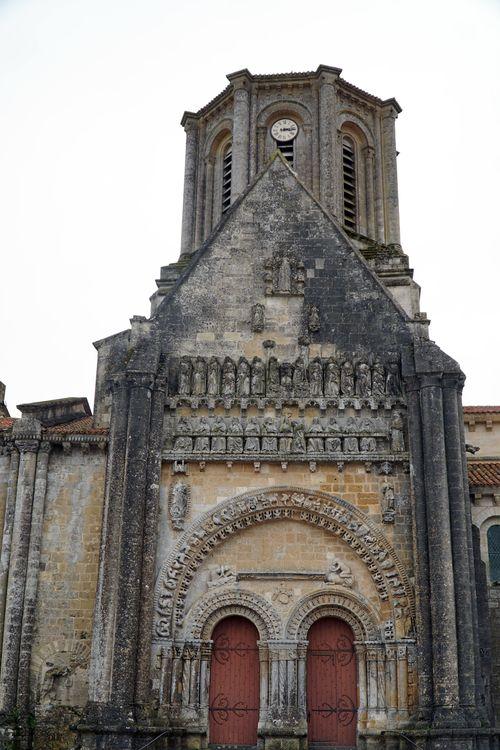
287,149
494,552
227,163
349,183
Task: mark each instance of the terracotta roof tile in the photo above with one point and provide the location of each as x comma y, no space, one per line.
484,473
481,409
83,426
6,423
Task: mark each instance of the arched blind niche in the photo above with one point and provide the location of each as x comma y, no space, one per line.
494,552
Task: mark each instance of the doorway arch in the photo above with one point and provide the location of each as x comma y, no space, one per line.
332,694
234,683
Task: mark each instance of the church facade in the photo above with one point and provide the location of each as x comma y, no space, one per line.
261,536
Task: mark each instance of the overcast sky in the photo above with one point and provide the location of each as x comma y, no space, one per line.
92,153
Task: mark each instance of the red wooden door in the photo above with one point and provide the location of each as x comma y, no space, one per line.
234,683
331,684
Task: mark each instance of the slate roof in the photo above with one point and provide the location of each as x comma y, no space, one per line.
484,473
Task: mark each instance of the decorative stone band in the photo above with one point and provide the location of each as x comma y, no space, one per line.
319,509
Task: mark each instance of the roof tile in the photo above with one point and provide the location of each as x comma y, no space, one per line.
484,473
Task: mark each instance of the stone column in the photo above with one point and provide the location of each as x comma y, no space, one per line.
362,684
369,155
422,580
460,547
390,174
8,526
102,634
149,545
241,125
391,679
30,595
209,192
126,629
17,573
444,636
190,124
327,137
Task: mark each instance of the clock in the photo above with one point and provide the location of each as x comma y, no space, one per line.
284,130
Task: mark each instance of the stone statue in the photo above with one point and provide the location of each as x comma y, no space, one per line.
219,430
273,377
285,275
228,378
315,443
269,436
179,503
199,377
368,445
243,378
333,445
378,379
299,377
340,574
234,436
316,377
388,502
363,380
286,431
286,376
183,440
347,379
258,318
258,379
351,445
332,378
202,439
252,432
213,377
184,384
298,440
397,438
393,380
313,321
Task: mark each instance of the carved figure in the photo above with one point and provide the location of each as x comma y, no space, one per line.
219,430
350,425
332,378
179,502
202,440
228,378
378,379
393,380
397,438
285,275
351,445
269,436
258,318
213,384
333,445
221,575
273,377
316,377
283,594
252,432
313,321
368,445
286,430
299,376
258,384
340,574
199,377
184,385
388,503
183,440
298,440
286,376
61,679
315,443
363,380
347,379
235,439
243,378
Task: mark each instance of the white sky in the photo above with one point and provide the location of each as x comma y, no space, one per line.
91,158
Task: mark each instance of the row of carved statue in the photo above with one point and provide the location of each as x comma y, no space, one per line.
271,435
321,377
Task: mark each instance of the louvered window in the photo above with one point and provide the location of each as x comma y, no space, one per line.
227,162
349,178
494,552
286,148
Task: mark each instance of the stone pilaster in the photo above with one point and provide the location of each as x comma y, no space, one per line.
241,132
8,526
188,207
327,139
31,589
28,449
369,154
390,174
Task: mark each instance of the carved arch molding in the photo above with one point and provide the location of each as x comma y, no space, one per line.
319,509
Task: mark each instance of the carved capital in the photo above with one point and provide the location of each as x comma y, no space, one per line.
27,446
45,447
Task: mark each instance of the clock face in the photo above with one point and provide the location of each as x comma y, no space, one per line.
284,130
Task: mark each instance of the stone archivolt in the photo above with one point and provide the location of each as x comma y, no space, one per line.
214,607
328,512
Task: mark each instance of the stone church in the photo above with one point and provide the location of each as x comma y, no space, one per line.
261,536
